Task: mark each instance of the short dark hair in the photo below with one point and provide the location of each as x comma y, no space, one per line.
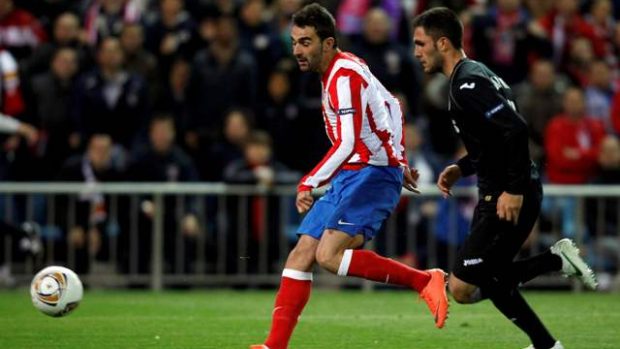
260,138
441,22
317,16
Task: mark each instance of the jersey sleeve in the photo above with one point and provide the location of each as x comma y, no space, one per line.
481,97
345,93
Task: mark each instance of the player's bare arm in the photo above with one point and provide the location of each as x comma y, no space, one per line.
447,178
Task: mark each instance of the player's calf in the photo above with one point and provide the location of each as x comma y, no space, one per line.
463,292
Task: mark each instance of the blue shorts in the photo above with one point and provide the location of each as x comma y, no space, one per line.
357,203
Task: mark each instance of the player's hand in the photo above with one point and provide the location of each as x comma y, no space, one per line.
447,178
29,133
411,176
304,201
509,207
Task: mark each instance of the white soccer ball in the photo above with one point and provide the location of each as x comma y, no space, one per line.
56,291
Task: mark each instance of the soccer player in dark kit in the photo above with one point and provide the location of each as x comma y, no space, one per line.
496,138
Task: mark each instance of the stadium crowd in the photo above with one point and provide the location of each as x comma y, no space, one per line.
208,90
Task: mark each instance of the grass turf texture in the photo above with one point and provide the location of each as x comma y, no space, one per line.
333,319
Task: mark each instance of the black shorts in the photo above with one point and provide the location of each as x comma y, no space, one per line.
492,243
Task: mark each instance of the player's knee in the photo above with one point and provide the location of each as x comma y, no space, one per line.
327,259
302,255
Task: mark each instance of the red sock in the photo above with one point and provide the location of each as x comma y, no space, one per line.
371,266
290,301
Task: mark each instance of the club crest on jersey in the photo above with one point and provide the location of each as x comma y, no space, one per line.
345,111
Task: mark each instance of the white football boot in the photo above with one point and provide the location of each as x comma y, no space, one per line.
573,264
557,345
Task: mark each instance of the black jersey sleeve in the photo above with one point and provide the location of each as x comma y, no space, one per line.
478,96
465,165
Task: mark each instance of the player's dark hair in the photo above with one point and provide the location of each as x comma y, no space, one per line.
441,22
317,16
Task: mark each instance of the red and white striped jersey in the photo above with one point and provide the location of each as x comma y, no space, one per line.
363,121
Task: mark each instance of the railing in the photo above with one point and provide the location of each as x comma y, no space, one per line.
244,233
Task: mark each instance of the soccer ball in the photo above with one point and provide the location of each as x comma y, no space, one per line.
56,291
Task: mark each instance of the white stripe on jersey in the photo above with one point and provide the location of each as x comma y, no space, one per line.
363,120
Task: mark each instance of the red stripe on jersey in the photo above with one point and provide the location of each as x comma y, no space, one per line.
384,136
402,139
332,150
356,84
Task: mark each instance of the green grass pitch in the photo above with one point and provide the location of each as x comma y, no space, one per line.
333,319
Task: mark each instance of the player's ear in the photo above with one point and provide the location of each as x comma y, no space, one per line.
443,44
328,43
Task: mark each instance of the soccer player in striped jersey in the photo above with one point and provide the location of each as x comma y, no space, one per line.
366,168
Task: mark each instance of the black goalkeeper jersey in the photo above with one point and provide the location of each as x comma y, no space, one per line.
495,135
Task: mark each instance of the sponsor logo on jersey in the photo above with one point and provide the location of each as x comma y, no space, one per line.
471,262
346,111
469,86
494,110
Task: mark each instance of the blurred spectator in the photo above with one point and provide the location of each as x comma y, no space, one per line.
66,33
391,62
172,34
258,165
599,94
263,211
138,60
602,20
539,8
283,12
563,25
105,18
279,115
109,99
171,97
505,42
580,58
572,142
539,99
351,13
223,76
238,125
12,104
11,100
602,213
49,102
440,130
20,31
258,37
615,112
162,161
92,212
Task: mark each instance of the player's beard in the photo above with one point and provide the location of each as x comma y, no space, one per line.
312,62
434,64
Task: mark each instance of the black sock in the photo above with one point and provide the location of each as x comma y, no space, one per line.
514,307
525,270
